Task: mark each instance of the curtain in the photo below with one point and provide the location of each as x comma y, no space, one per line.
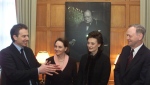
26,14
145,19
7,20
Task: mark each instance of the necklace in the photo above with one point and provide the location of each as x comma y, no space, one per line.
61,61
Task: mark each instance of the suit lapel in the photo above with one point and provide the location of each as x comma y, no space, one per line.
136,58
124,58
17,54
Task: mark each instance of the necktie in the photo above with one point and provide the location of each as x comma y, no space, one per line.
22,54
130,57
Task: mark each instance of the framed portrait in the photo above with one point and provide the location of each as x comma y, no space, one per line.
82,18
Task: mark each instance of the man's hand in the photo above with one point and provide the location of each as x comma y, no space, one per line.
48,68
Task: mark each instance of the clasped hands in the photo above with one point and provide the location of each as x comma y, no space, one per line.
48,68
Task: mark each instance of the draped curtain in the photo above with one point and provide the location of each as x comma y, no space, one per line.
7,20
145,19
26,14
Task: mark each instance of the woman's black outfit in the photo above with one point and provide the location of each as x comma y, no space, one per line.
94,70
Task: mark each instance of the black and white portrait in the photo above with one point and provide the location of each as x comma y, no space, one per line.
82,18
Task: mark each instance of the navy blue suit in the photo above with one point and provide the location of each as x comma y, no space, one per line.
135,73
15,69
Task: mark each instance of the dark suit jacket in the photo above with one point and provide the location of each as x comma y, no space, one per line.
98,69
147,81
136,71
15,69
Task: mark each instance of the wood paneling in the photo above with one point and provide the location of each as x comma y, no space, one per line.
118,13
117,41
42,40
51,24
41,15
134,14
57,15
134,0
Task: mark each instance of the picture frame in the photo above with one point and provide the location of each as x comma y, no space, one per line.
77,29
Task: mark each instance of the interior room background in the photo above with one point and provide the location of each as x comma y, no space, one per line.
50,15
50,24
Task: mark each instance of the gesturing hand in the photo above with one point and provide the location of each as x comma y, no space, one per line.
48,68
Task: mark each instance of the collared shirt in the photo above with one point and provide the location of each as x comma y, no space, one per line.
136,49
19,48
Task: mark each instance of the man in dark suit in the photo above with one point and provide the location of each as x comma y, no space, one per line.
21,67
132,68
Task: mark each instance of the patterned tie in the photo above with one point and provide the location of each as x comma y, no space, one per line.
130,57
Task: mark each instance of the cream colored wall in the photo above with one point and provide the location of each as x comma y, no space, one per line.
145,19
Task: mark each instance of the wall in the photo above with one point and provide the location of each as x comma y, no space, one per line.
51,24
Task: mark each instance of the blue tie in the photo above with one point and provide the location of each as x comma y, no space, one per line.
22,54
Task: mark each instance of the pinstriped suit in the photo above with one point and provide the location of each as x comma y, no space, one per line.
15,69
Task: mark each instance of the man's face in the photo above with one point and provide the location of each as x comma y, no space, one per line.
87,16
133,38
22,38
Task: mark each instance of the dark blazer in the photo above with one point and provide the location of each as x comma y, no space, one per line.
98,72
136,71
147,81
15,69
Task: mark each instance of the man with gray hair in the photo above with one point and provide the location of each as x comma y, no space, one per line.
134,60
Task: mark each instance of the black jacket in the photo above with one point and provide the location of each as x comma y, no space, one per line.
135,73
94,70
15,69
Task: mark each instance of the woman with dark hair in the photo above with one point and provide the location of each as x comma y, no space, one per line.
67,74
94,68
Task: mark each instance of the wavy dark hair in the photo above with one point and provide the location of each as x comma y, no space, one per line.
98,36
